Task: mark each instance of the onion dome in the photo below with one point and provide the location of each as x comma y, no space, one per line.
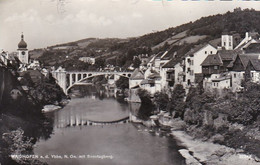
22,44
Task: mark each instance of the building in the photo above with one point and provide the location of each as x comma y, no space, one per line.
23,54
136,78
4,57
192,69
89,60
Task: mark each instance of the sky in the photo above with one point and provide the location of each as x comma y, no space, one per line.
50,22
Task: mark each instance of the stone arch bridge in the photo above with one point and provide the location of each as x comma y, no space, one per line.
67,79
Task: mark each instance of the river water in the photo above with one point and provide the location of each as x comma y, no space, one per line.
123,143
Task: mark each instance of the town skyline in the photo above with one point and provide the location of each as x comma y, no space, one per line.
50,22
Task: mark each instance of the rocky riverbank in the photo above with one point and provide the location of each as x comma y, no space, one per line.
198,151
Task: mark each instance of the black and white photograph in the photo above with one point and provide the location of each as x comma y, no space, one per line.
129,82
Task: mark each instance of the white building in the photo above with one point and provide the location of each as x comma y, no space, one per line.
4,56
136,78
192,63
89,60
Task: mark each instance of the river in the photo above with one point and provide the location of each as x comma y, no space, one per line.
85,142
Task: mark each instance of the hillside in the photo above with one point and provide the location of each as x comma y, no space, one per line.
180,39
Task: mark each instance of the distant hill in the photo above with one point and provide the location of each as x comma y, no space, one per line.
178,40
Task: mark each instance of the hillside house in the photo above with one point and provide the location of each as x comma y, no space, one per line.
89,60
136,78
192,63
217,81
250,37
167,74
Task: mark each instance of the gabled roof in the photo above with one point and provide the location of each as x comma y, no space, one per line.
137,74
198,48
215,43
222,77
154,75
169,64
147,82
211,60
246,58
166,56
253,48
227,54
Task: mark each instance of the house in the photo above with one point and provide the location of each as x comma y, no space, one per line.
136,78
89,60
229,40
250,37
192,68
213,64
34,64
167,74
217,81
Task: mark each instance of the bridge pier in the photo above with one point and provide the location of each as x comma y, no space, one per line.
74,77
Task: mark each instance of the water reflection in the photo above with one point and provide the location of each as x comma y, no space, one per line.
128,143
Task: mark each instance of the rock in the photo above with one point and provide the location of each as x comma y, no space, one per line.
190,160
217,138
49,108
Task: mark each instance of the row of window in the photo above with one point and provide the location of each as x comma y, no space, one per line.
225,43
207,52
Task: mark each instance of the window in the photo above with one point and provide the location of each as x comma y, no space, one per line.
217,84
213,84
211,52
191,72
205,52
215,67
191,62
188,81
235,75
224,43
229,43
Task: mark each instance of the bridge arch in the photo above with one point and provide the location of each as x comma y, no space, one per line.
90,75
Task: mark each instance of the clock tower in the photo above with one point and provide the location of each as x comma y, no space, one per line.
23,54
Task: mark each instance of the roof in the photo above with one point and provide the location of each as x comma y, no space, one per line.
227,54
154,75
22,44
137,74
147,82
211,60
221,78
169,64
245,58
253,48
166,56
197,48
215,43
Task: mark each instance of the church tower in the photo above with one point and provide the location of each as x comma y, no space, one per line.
23,54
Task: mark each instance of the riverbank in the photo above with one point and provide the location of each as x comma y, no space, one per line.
21,120
205,152
198,151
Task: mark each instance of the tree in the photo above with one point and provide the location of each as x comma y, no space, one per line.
176,103
147,106
136,62
161,100
122,83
